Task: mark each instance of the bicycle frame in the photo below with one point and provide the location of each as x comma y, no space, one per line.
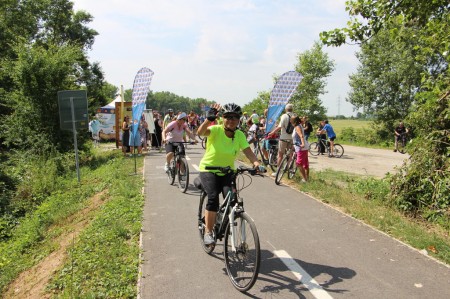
237,208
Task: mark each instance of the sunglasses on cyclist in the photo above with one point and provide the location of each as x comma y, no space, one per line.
231,117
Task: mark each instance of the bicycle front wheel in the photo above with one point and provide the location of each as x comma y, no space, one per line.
273,157
183,174
204,142
281,170
242,262
338,150
171,172
201,223
314,148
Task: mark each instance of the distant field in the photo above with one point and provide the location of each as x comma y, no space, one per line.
339,124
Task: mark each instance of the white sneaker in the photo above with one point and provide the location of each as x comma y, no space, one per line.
166,167
274,174
303,181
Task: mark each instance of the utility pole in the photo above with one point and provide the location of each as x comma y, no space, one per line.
339,105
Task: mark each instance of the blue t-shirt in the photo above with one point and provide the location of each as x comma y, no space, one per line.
329,129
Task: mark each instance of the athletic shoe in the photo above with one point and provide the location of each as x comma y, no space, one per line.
166,167
395,150
274,174
208,239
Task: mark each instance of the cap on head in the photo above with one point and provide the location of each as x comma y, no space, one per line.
181,116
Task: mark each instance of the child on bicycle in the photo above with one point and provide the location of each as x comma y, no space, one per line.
224,143
174,132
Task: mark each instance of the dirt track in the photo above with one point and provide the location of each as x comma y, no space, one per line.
361,160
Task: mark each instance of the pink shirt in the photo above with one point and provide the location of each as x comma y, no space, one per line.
175,132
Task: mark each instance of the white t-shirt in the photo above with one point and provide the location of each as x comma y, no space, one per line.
283,124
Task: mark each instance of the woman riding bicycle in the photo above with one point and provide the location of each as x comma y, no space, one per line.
224,143
174,133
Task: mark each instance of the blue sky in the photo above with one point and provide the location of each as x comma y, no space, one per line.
225,51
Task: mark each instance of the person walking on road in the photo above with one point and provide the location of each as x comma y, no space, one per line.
225,141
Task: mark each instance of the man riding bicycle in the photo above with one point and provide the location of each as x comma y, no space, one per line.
174,132
224,143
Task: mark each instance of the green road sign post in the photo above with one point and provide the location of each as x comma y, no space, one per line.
73,114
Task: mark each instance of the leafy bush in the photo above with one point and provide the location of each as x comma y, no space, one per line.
422,185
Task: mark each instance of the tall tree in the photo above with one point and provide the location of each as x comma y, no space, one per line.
260,103
42,50
315,66
423,183
388,77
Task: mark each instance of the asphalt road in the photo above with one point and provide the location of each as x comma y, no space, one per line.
361,160
309,250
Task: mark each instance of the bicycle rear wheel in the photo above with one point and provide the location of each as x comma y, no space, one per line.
292,167
201,223
314,149
171,172
281,170
183,174
242,264
338,150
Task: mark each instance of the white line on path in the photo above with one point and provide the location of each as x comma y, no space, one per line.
316,290
196,167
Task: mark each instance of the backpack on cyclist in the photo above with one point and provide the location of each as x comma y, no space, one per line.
290,127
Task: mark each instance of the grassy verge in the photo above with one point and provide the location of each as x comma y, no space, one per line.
364,199
102,260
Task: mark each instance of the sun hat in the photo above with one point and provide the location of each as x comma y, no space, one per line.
181,116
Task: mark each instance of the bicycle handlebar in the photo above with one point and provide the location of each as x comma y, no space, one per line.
183,142
240,169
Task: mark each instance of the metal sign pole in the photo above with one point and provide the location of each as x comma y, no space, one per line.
75,138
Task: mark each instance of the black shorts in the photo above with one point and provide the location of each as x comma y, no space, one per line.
213,184
332,138
170,147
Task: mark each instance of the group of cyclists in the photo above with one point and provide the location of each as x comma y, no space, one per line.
233,132
227,136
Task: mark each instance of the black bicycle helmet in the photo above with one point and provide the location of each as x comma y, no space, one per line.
170,110
232,108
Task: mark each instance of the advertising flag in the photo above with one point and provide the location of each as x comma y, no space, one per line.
141,87
283,90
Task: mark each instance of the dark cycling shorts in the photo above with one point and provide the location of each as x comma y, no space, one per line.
170,147
269,142
333,138
192,127
213,184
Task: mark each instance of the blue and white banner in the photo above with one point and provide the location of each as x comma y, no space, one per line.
283,90
141,87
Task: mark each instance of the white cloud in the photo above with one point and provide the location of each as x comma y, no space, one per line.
220,50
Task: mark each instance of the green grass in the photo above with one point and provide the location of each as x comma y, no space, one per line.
111,234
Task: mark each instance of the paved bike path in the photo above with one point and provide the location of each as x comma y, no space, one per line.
340,257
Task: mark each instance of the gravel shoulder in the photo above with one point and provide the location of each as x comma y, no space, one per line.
361,160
